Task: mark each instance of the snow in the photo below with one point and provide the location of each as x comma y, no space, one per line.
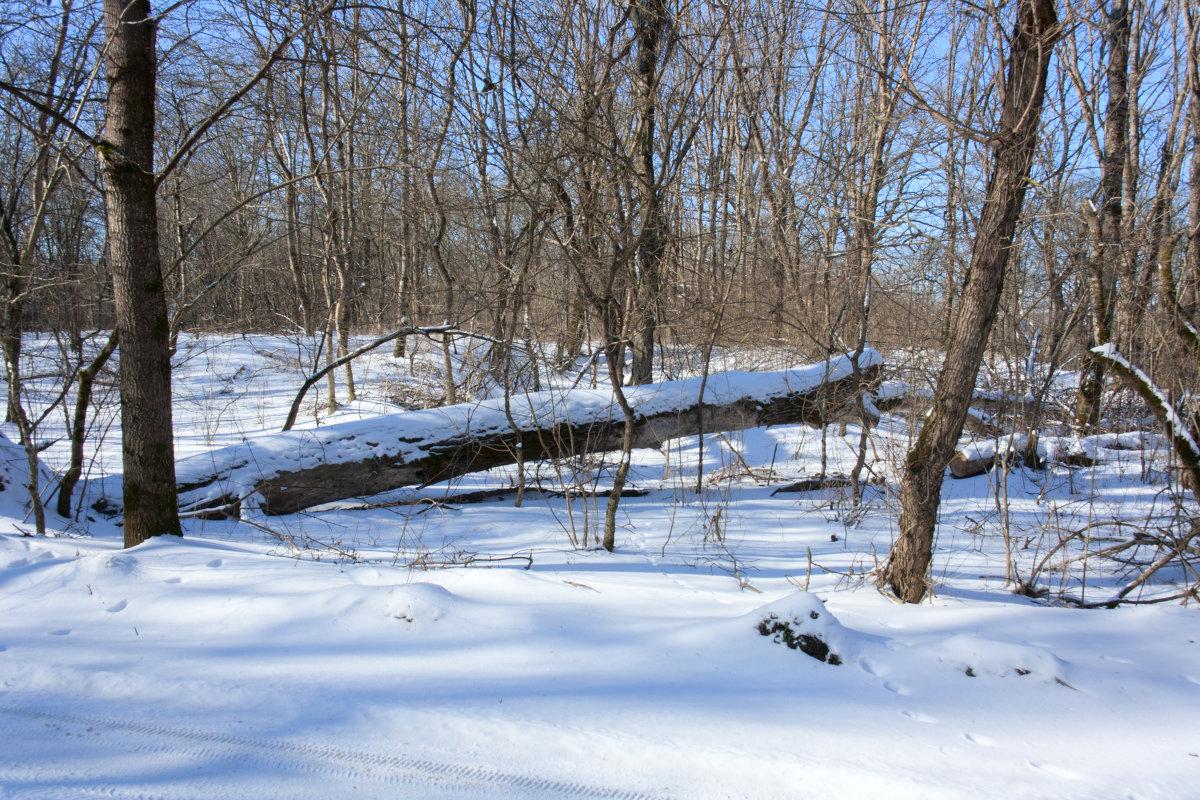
14,479
987,448
363,653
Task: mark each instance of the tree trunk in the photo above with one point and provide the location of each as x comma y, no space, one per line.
1033,41
138,292
1191,272
650,20
1106,223
83,401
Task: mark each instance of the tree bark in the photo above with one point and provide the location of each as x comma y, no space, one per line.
127,153
650,21
83,401
1033,41
1191,271
1106,223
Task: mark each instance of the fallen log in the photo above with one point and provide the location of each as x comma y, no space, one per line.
814,483
1088,451
990,413
286,472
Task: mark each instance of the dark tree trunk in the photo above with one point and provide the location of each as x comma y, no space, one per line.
1191,272
1033,40
138,292
12,329
83,401
12,314
649,19
1106,224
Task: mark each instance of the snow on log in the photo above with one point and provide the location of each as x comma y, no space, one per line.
285,472
980,457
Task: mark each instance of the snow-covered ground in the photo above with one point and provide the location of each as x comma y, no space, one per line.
471,650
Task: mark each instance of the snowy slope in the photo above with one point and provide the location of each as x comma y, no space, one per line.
477,650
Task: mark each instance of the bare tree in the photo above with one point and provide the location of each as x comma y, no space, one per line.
1031,46
127,153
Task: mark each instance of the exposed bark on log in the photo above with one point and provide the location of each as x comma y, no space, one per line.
819,482
968,464
287,472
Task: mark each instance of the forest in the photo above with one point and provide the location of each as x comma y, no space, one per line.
642,364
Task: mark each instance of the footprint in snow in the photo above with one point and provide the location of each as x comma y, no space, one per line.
20,562
917,716
3,647
120,605
59,632
871,668
173,580
980,739
216,562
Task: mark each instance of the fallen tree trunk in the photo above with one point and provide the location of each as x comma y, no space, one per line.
1087,451
989,414
287,472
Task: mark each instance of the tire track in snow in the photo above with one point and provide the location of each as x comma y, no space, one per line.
315,759
86,793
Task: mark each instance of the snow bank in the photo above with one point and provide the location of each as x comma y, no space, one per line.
14,479
421,603
802,622
975,656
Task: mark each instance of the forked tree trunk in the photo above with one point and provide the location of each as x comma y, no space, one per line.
79,424
138,293
1033,40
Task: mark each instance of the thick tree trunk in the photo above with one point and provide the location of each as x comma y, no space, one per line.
920,494
133,257
299,469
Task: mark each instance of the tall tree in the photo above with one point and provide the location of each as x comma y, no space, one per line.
650,23
127,155
1035,32
1105,220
